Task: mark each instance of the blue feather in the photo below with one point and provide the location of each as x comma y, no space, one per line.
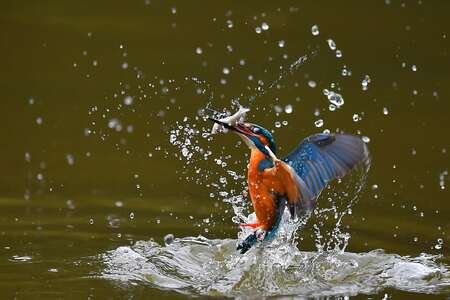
322,157
265,164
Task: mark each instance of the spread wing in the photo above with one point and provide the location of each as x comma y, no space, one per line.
321,158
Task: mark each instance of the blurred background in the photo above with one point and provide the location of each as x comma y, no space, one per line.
94,92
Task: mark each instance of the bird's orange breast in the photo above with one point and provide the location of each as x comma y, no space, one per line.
265,186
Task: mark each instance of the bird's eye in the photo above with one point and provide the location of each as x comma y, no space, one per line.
255,130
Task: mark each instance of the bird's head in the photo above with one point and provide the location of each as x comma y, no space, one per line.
255,136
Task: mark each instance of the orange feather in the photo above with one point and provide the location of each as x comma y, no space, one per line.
264,185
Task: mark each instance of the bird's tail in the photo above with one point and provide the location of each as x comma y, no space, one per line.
249,241
268,236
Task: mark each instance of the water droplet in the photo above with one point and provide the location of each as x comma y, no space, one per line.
356,118
172,138
198,50
115,124
70,204
226,71
319,123
258,30
128,100
131,215
331,44
312,83
70,159
366,139
365,82
185,151
315,30
442,176
414,68
39,121
265,26
334,98
168,239
338,53
277,124
91,221
288,109
277,109
385,111
281,43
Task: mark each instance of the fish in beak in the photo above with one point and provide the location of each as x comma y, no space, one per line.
236,123
230,121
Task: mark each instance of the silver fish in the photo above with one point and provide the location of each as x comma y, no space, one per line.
232,120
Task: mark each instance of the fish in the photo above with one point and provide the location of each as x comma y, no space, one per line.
237,117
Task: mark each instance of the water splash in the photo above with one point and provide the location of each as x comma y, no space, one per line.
293,67
335,203
199,266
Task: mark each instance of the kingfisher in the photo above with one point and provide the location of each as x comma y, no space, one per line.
295,181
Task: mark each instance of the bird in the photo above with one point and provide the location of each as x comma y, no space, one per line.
295,181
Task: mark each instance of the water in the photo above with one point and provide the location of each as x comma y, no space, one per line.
105,153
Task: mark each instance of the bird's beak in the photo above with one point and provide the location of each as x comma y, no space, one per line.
240,129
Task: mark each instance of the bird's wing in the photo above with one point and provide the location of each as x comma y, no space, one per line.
321,158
